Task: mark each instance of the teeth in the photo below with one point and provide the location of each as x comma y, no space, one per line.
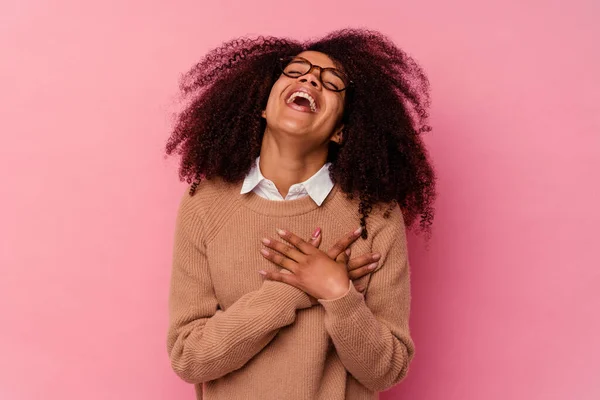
313,105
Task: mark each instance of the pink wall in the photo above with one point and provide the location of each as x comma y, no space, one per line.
506,297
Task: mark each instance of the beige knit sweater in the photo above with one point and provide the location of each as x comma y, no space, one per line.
237,336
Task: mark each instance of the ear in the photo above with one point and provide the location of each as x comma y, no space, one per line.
264,114
338,135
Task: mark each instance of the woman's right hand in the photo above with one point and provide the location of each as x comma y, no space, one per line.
357,267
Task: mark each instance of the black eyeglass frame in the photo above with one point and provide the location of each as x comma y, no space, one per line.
285,61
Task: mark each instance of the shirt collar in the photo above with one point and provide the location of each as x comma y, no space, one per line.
317,186
253,178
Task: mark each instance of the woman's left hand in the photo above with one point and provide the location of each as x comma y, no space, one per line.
315,272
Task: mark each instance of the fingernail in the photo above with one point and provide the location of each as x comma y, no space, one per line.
372,266
265,240
358,231
316,233
376,256
264,252
263,273
348,252
281,232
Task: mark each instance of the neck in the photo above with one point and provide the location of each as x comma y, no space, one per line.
288,163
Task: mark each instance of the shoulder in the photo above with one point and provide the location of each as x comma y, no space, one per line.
387,218
384,218
212,199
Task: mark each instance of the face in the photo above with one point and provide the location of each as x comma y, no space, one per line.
315,113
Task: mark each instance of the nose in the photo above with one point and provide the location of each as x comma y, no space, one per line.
312,77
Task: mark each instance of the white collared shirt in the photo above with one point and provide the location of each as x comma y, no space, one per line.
317,186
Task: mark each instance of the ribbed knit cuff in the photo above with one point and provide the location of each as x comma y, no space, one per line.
343,307
287,294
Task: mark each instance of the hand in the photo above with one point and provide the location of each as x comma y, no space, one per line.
361,266
319,274
357,267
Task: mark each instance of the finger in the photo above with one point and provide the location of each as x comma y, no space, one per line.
279,277
362,271
316,243
343,243
297,241
363,260
359,288
315,239
344,257
284,249
280,260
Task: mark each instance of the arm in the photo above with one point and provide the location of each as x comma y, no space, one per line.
372,335
204,342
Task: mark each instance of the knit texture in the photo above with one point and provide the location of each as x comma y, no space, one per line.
236,335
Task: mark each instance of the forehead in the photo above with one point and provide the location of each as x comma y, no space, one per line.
318,58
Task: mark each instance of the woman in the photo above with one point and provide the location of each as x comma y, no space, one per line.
285,141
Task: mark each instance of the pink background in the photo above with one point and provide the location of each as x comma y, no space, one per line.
505,299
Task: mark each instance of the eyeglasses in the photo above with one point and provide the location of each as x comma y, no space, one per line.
331,78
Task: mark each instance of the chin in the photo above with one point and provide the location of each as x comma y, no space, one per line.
293,128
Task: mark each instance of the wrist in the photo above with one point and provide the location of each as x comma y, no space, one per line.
338,291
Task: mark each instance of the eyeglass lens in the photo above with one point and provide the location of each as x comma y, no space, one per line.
331,79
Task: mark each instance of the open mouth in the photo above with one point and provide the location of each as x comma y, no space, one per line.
302,101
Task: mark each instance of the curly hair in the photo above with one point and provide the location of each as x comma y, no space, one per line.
381,159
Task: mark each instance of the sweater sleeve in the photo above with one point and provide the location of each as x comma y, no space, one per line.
371,333
205,342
